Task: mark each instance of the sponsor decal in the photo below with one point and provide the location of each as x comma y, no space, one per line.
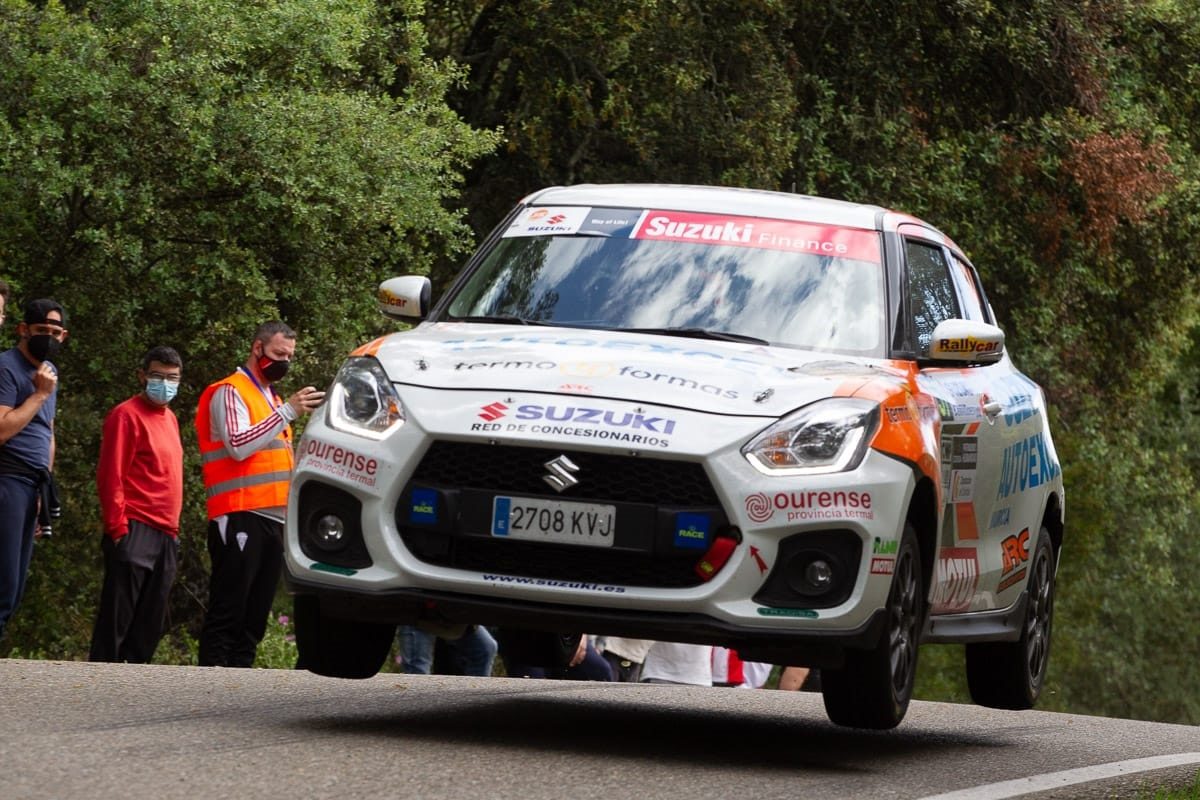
758,560
523,581
320,566
493,411
898,413
968,344
767,234
1015,552
956,577
547,221
945,410
1018,408
961,411
691,531
806,613
390,300
424,506
676,380
1000,518
1026,465
587,369
811,504
964,457
640,344
617,222
513,364
575,388
339,462
588,423
599,369
759,508
883,566
882,548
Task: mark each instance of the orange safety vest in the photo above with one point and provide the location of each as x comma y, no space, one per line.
259,481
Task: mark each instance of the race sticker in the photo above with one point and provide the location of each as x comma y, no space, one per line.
548,221
956,577
767,234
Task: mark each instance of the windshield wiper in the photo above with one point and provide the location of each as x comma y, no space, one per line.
699,333
503,319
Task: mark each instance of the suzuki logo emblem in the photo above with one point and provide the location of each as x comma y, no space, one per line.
560,477
493,412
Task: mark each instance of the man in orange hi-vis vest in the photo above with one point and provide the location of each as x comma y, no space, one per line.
245,434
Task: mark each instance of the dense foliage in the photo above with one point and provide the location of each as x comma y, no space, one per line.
176,171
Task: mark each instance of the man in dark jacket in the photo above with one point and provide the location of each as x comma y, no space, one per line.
28,394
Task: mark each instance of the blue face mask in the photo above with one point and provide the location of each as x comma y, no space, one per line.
160,391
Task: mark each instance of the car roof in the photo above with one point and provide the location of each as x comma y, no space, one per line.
719,200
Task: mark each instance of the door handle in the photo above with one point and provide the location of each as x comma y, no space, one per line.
992,409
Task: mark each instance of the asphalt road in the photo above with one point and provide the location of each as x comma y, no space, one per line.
78,730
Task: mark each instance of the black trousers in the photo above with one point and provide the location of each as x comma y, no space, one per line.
139,569
246,551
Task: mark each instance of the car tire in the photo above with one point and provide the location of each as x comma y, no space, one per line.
339,648
1011,674
873,687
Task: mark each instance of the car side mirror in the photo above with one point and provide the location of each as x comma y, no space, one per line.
406,297
966,340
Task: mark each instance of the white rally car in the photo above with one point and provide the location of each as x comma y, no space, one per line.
778,423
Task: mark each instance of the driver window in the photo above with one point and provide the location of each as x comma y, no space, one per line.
930,293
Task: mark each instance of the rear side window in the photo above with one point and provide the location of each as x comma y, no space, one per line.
930,292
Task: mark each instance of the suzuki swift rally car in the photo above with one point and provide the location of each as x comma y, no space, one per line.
782,424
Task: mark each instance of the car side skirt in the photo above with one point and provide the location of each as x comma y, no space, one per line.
1003,625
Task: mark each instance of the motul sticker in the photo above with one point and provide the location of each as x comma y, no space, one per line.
766,234
955,579
883,566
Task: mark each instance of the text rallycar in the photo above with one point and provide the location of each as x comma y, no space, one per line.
968,344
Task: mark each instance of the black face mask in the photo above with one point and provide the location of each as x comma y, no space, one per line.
43,347
272,369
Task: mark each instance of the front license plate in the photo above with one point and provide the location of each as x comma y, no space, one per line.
553,521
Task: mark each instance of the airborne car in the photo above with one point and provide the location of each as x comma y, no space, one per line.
778,423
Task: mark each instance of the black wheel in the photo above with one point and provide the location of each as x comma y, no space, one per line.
339,648
1010,674
873,687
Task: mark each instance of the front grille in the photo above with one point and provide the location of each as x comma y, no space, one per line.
602,477
518,471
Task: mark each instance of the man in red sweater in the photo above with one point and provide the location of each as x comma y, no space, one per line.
140,481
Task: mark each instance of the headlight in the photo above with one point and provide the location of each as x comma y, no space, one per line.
827,436
363,401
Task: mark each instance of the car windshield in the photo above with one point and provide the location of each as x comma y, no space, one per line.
793,284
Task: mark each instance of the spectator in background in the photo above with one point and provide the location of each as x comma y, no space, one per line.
730,670
534,654
793,678
624,656
473,652
140,483
245,434
28,397
673,662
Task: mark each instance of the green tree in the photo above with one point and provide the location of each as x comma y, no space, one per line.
176,171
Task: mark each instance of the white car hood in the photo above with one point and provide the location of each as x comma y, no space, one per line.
697,374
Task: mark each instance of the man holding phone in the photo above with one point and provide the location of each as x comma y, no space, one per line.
245,434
